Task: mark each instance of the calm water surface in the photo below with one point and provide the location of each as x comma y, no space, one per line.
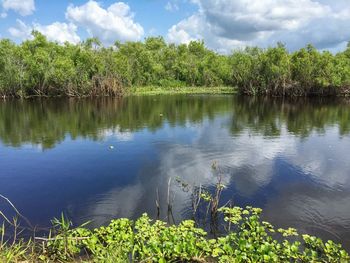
104,158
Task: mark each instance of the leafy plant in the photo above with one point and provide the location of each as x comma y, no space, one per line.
249,239
39,67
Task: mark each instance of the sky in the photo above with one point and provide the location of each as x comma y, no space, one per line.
224,25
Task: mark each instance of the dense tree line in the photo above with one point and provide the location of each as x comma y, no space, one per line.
39,67
304,72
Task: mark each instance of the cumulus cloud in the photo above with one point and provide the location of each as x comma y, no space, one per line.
113,23
57,31
61,32
225,24
187,30
23,7
197,28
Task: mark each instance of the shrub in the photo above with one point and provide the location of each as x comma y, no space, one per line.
248,239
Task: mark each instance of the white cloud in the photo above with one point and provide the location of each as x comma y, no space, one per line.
170,6
60,32
187,30
111,24
243,19
23,7
225,24
197,28
3,15
21,31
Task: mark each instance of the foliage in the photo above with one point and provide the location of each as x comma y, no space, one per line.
248,239
39,67
254,240
275,71
14,250
243,237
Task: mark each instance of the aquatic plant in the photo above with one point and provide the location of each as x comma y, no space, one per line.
249,240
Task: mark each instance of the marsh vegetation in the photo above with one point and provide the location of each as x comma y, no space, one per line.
39,67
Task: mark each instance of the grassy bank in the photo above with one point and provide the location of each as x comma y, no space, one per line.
246,238
157,90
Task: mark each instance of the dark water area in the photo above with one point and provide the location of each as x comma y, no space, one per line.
98,159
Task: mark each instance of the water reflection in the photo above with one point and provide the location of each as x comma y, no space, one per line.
289,157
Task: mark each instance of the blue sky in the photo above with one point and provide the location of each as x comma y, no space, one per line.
154,15
223,24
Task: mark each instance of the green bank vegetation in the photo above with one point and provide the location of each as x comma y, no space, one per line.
247,239
39,67
158,90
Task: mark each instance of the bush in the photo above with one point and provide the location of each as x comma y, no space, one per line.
248,239
39,67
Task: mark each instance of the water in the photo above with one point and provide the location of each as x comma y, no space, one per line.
97,159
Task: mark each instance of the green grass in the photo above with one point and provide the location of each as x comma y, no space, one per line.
156,90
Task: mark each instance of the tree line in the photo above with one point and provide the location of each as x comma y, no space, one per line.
39,67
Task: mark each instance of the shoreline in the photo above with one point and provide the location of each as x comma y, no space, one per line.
185,90
142,91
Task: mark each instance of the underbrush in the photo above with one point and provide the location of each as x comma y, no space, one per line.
246,239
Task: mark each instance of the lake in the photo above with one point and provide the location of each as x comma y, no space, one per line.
98,159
